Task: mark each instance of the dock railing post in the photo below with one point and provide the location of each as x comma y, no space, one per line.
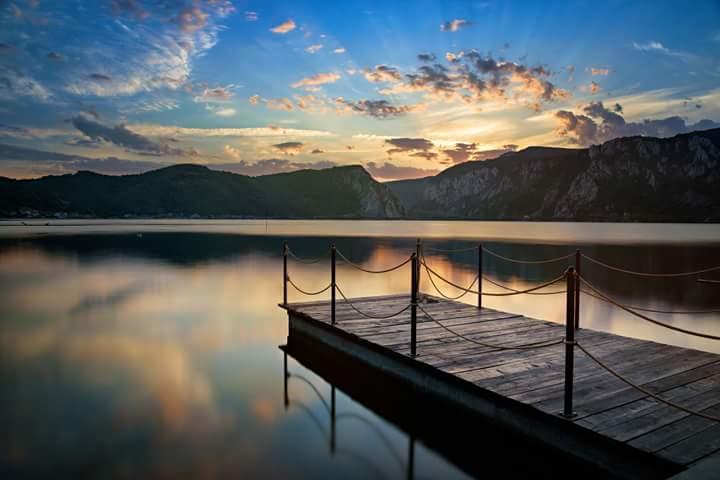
480,275
577,288
418,254
332,419
413,304
285,275
332,282
569,343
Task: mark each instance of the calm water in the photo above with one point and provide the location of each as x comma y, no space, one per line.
151,349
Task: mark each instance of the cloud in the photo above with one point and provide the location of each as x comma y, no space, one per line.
599,71
270,166
597,124
217,94
100,77
192,19
254,100
280,104
658,47
390,171
314,48
168,131
402,145
284,27
31,132
289,148
55,56
129,8
375,108
426,57
233,152
594,88
310,103
63,163
339,50
317,151
472,78
460,152
382,74
318,79
454,25
121,136
225,112
251,16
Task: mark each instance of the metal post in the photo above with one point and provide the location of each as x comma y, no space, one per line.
285,275
285,381
332,419
332,281
413,304
418,254
569,343
577,288
480,275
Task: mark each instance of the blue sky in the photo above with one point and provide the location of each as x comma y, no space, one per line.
403,88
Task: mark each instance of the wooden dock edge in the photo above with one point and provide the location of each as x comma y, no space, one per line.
602,452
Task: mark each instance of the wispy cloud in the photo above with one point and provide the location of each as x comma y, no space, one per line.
339,50
454,25
314,48
316,80
289,148
599,71
154,130
658,47
391,171
251,16
285,27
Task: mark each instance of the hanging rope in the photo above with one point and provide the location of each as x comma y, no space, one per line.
366,270
442,294
307,261
653,310
647,274
527,346
604,297
368,315
306,292
644,390
497,284
494,294
529,262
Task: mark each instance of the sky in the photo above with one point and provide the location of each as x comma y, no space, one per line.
405,89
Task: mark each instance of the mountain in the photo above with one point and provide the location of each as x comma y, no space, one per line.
626,179
633,178
186,190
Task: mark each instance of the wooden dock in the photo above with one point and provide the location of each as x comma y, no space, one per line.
524,389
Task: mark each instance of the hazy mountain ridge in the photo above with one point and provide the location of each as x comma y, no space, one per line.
634,178
187,190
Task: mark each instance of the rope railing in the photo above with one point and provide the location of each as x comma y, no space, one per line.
642,389
304,292
494,294
603,296
498,284
527,346
528,262
657,310
650,274
367,270
306,261
369,315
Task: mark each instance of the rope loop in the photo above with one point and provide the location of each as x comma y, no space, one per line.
629,310
649,274
528,262
304,292
368,315
366,270
306,261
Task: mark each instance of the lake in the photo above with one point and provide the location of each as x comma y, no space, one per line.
134,349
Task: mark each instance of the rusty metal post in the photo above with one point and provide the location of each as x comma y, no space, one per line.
480,275
332,282
577,288
285,275
413,304
569,343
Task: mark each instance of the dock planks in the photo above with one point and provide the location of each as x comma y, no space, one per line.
604,404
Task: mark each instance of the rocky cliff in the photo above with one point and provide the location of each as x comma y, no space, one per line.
635,178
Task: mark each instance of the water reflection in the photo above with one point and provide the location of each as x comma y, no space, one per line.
155,355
